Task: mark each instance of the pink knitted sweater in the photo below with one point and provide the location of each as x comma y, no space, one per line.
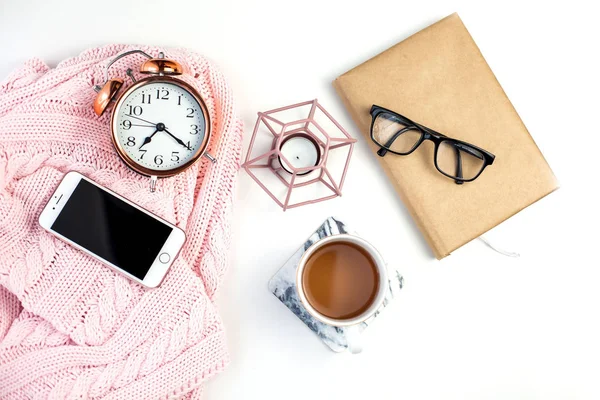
69,326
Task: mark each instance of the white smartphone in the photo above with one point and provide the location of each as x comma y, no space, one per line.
112,229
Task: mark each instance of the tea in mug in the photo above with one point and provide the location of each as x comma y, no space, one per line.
340,280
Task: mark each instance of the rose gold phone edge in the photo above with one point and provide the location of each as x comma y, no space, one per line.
157,271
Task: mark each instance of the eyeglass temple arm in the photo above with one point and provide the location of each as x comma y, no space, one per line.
470,151
459,172
457,149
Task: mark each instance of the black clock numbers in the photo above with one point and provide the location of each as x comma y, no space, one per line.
137,127
162,94
135,110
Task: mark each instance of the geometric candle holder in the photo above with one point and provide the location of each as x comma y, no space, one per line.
299,154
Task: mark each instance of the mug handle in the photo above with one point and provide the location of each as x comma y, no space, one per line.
354,338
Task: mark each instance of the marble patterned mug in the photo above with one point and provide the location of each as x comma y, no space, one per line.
350,325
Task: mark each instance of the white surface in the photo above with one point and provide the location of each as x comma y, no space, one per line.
475,325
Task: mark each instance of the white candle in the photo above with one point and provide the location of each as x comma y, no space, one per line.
301,151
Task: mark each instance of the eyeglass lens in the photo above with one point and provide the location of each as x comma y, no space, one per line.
458,160
391,133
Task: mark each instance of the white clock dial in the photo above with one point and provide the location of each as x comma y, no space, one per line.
160,126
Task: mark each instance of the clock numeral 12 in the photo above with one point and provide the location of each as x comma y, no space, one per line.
165,94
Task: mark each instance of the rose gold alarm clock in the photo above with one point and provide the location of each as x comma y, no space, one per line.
160,124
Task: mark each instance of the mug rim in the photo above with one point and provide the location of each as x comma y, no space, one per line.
381,269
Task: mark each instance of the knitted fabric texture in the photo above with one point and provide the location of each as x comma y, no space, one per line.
70,327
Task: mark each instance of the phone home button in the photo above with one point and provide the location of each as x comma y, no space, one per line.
164,258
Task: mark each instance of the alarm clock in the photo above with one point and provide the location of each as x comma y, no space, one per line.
160,125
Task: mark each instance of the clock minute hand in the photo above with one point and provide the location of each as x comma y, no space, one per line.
177,139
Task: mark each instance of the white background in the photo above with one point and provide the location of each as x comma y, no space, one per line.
475,325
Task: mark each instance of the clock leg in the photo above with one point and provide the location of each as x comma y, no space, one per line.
153,180
210,157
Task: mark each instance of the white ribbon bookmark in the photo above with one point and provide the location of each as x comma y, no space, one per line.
498,250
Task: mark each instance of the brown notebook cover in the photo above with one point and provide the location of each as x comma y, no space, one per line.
438,78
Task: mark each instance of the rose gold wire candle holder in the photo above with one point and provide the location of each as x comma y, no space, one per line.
299,154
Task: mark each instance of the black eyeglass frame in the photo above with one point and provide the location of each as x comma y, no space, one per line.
427,134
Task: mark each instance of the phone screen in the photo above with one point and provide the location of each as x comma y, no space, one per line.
112,229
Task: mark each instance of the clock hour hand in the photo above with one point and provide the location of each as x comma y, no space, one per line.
177,139
147,140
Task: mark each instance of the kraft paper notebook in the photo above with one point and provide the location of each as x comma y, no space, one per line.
438,78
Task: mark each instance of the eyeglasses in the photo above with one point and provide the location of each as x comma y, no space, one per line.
455,159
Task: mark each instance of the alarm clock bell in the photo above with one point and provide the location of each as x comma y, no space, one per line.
160,66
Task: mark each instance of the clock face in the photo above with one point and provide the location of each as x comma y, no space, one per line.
160,126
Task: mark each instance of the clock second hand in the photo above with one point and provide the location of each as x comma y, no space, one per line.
145,126
141,119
